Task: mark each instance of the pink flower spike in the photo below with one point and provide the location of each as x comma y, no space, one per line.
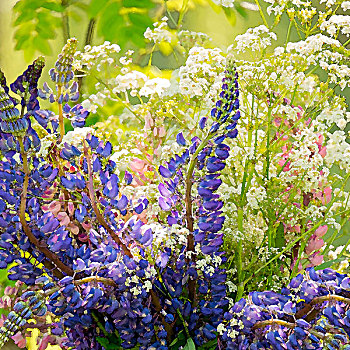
328,194
19,340
316,259
63,217
321,231
314,244
55,207
45,342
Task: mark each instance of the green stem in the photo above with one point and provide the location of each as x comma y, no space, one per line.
169,13
288,33
182,12
238,255
98,322
261,13
65,21
268,143
88,40
287,248
189,215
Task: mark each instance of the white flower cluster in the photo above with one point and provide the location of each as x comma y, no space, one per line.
337,24
160,33
188,39
254,39
345,5
319,50
225,3
277,6
95,55
75,137
202,73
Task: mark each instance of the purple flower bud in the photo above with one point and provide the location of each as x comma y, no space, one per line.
165,172
180,139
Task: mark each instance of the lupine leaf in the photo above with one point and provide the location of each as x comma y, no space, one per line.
53,6
110,21
96,6
137,3
328,264
189,345
42,45
230,15
280,240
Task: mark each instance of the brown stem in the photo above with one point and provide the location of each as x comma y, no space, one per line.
99,216
158,307
190,238
41,246
88,40
263,324
309,310
304,311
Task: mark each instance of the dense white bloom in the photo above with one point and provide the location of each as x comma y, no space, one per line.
345,5
337,23
155,86
75,137
92,55
224,3
160,33
132,80
311,45
255,39
202,72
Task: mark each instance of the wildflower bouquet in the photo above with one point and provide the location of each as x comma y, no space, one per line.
213,227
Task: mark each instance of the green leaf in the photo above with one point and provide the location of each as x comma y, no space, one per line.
24,29
96,6
211,345
230,15
280,240
109,343
23,41
29,52
53,6
42,45
328,264
137,3
30,4
140,20
25,16
189,345
180,340
241,10
110,22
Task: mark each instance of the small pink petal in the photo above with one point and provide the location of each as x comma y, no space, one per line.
161,131
320,231
19,340
314,244
137,164
316,259
73,228
63,218
55,207
323,151
86,225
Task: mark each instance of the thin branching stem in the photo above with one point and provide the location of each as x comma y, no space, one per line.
99,216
